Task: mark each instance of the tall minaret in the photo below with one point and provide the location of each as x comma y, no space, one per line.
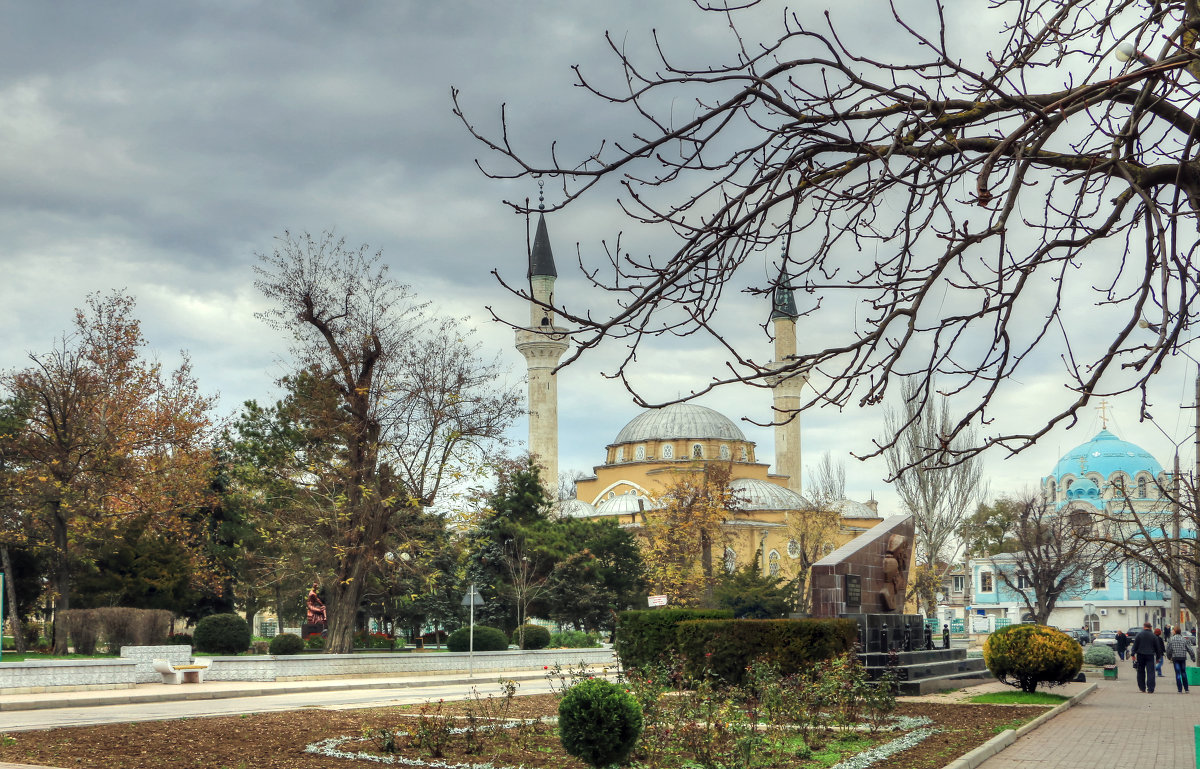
786,388
542,344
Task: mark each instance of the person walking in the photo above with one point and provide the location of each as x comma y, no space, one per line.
1122,643
1178,651
1143,651
1162,649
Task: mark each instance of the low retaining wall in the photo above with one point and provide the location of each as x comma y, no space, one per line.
309,667
66,675
112,673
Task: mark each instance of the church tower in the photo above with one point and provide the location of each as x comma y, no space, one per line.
543,344
786,388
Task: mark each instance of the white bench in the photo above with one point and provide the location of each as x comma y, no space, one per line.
182,674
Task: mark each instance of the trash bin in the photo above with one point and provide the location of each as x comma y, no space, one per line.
1193,676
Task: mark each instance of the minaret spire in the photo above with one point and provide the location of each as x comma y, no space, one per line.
543,344
786,388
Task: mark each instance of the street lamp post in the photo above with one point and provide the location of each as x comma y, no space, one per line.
472,599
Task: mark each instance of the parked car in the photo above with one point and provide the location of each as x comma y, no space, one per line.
1106,638
1082,636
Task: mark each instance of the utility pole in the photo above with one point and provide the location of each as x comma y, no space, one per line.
1176,545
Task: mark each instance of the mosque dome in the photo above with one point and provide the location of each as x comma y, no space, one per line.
576,508
624,504
756,494
679,420
1106,454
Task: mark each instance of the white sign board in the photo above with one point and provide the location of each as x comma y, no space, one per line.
657,600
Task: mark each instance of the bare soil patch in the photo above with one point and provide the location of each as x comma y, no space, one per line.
278,740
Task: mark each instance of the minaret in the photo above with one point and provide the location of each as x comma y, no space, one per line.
786,388
543,344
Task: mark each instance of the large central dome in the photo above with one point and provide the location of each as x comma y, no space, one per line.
679,420
1106,454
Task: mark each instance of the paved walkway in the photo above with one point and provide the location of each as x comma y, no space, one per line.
1115,726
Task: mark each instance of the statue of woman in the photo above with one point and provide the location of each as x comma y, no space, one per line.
316,607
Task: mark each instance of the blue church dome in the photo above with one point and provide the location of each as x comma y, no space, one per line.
1106,454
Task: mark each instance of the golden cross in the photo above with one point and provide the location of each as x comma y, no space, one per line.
1103,408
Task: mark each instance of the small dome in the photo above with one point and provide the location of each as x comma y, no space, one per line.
623,504
848,508
1107,454
679,420
576,508
755,494
1084,488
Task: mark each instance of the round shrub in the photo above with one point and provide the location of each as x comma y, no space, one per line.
286,643
487,639
535,637
222,634
1027,655
1099,655
599,722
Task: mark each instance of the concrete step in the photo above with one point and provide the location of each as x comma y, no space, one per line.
944,682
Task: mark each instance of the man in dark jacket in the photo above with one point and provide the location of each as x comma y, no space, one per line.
1122,643
1144,650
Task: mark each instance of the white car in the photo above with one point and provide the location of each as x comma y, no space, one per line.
1105,638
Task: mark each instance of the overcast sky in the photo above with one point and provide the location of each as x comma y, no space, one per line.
156,147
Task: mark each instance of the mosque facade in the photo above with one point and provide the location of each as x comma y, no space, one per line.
658,445
1105,475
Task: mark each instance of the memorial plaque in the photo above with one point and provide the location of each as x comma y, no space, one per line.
853,591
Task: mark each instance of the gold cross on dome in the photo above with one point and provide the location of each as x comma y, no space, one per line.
1103,408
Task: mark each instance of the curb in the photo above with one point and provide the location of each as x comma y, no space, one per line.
262,690
1007,737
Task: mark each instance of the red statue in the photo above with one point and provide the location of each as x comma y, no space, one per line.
316,607
895,573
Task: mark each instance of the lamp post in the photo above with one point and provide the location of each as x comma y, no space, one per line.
472,599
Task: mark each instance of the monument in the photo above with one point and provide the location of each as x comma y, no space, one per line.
316,618
866,580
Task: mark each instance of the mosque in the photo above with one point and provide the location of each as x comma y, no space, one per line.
1106,474
651,451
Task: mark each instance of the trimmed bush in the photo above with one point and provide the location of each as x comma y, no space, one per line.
645,638
286,643
726,648
1099,655
222,634
487,639
531,637
599,722
83,628
574,639
180,639
1027,655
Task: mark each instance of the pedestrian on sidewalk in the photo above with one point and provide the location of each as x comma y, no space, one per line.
1122,643
1162,650
1178,649
1143,651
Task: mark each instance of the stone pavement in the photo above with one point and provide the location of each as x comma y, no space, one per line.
1115,726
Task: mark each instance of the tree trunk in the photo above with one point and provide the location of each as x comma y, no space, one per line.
62,579
10,598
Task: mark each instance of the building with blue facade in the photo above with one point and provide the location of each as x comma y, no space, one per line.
1104,477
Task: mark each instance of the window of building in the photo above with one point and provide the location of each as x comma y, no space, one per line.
1099,578
620,453
773,563
730,560
697,451
668,451
1024,582
1143,488
958,583
1053,491
725,453
639,453
985,582
793,549
745,455
1092,622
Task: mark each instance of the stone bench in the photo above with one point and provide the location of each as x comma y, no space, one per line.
182,674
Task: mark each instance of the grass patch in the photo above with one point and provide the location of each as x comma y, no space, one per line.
1019,698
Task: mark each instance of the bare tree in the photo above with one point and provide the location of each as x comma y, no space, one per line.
395,397
566,483
813,529
936,484
966,191
1056,559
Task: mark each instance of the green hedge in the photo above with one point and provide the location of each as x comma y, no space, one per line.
647,637
487,639
535,637
727,647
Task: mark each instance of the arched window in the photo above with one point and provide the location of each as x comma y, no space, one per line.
1053,491
620,453
725,452
697,451
773,563
1143,488
745,454
639,453
793,549
730,560
668,451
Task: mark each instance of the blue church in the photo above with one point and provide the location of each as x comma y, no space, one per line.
1106,474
